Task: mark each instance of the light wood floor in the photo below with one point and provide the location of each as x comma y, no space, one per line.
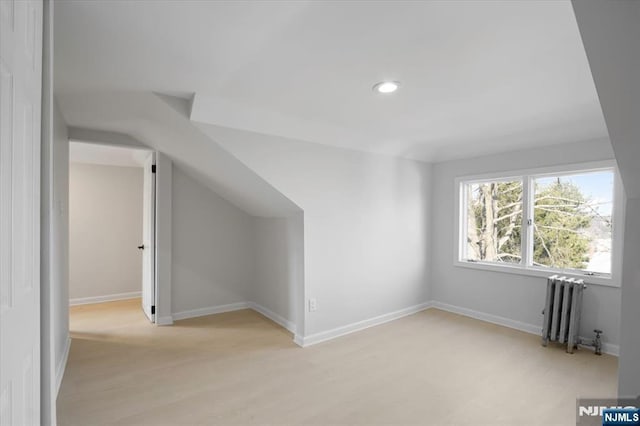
240,368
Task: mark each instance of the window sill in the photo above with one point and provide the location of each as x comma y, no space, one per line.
539,272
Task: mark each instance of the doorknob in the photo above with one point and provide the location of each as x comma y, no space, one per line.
141,247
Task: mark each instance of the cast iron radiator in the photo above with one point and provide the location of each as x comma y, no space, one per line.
562,311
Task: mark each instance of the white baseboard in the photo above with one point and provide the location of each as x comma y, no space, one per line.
323,336
494,319
278,319
62,365
298,340
302,341
102,299
210,310
607,348
168,320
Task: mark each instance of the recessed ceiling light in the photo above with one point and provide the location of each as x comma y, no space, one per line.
386,86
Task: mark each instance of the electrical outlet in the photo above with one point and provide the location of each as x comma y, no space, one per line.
313,305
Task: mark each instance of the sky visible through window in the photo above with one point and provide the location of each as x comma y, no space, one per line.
597,185
595,191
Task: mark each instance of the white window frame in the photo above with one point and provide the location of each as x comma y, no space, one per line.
526,266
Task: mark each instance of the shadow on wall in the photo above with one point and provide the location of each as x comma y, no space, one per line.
212,248
366,220
224,258
279,269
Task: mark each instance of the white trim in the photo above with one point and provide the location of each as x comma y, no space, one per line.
168,320
280,320
62,365
298,340
528,212
323,336
163,246
103,299
538,272
493,319
559,170
305,341
607,348
210,310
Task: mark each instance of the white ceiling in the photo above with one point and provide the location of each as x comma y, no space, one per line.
106,155
161,124
477,77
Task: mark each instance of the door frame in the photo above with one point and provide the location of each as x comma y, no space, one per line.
21,78
163,214
163,251
149,237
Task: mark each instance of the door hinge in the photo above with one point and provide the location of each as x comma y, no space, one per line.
153,309
153,168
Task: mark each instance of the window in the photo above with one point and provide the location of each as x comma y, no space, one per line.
558,221
494,220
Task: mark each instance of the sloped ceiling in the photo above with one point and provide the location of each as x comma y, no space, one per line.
157,123
477,76
611,34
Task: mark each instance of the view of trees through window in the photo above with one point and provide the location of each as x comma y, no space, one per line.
494,221
573,221
570,228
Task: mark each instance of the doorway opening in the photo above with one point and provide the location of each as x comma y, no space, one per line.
112,229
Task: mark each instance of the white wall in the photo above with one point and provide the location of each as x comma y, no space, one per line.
277,276
515,297
60,239
55,257
207,242
213,256
366,243
54,302
105,216
629,364
610,33
54,318
365,223
164,240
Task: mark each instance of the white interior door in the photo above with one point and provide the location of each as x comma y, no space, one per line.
20,109
149,239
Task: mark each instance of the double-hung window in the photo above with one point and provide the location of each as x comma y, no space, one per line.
540,221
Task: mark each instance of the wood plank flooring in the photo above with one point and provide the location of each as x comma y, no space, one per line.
431,368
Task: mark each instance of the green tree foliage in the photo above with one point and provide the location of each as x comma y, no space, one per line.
495,221
561,212
494,228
